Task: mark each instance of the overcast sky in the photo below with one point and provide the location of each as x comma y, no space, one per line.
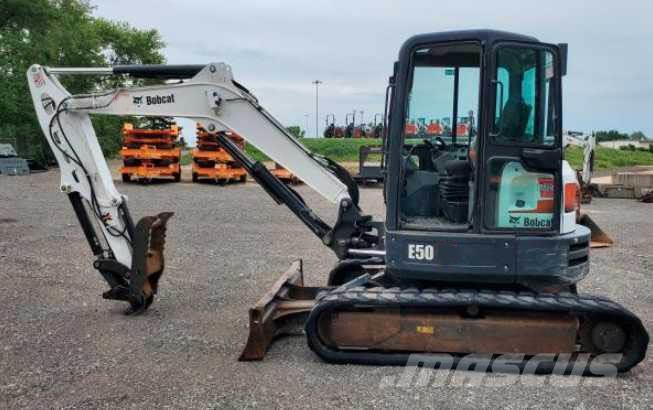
277,48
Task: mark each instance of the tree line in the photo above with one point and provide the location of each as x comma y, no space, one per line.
614,135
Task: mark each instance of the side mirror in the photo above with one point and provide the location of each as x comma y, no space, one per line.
563,58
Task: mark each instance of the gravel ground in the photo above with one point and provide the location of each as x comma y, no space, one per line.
63,346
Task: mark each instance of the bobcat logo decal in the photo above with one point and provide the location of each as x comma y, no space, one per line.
513,219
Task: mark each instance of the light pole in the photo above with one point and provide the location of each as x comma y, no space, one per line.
317,116
362,116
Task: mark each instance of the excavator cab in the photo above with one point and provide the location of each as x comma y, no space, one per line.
482,250
484,200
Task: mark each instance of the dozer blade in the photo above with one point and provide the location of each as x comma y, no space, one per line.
281,311
599,238
147,261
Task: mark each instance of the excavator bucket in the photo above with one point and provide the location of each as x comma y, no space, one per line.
147,264
281,311
599,238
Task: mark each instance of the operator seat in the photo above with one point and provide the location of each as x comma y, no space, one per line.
458,167
514,119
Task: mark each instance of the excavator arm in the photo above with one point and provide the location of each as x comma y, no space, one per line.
130,256
588,144
599,238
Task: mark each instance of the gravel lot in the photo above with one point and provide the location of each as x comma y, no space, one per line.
63,346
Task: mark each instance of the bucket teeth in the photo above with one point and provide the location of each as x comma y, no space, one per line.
147,260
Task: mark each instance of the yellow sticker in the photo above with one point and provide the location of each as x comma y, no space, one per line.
425,329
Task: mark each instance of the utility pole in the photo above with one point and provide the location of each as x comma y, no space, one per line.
317,112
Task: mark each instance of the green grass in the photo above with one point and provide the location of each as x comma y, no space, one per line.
608,158
346,150
186,157
341,150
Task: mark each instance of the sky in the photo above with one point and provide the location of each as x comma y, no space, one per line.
278,48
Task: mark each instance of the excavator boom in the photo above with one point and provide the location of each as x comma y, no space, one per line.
130,256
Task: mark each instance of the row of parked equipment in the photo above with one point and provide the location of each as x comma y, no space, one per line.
152,151
212,162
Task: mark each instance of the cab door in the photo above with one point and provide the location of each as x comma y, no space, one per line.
522,149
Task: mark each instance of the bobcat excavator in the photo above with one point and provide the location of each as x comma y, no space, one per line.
480,251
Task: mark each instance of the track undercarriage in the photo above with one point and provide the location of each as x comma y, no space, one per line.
366,321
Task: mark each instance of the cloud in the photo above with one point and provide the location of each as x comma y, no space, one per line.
276,48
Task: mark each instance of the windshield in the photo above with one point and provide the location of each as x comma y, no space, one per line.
443,102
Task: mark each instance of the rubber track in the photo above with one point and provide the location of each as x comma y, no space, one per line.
582,306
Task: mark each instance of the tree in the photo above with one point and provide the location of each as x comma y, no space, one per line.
62,33
611,135
296,131
638,136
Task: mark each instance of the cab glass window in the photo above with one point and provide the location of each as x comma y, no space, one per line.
524,101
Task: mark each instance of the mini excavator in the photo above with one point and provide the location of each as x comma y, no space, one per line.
480,251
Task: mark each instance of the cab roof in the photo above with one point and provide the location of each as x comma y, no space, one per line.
482,35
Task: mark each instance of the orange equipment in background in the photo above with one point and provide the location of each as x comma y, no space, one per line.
434,128
212,162
462,129
150,152
411,129
284,175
